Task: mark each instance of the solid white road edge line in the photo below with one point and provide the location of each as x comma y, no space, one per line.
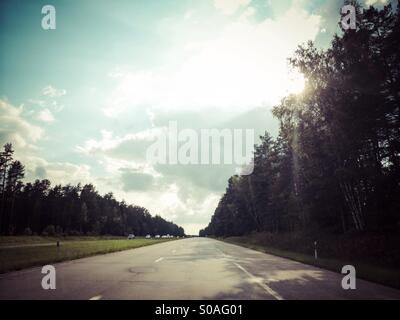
272,292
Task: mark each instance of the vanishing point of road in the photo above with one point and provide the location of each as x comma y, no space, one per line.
194,268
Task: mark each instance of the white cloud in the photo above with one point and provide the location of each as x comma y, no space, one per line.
47,102
188,15
249,12
184,194
173,193
52,92
37,102
374,2
229,7
45,115
56,172
25,138
14,128
192,212
109,143
243,66
116,72
64,172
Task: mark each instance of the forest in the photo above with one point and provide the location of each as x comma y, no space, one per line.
42,209
334,167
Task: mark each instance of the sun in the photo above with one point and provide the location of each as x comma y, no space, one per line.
296,82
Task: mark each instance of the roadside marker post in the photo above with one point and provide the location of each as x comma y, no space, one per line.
315,250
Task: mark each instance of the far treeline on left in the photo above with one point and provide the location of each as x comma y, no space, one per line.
42,209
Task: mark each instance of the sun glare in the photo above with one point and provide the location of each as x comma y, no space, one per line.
296,82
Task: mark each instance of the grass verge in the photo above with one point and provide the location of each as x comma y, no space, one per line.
385,276
16,258
22,240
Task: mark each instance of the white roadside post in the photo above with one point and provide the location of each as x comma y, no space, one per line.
315,250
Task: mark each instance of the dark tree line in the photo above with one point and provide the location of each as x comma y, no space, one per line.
39,208
335,165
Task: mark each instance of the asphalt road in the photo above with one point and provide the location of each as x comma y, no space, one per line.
195,268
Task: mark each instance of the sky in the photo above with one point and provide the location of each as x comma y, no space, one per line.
82,102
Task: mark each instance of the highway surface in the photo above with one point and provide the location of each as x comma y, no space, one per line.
195,268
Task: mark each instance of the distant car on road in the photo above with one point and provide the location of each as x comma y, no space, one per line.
148,236
131,236
157,236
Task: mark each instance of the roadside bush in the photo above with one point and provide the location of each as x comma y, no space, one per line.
59,231
50,230
74,233
11,231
